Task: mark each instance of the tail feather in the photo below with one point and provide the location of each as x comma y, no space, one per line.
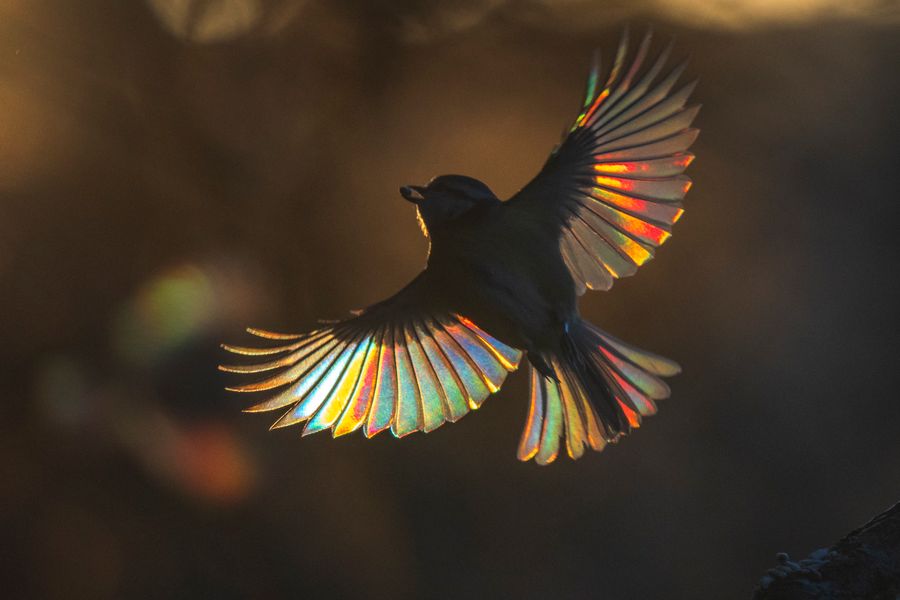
603,389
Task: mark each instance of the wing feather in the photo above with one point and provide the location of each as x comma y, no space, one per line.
431,394
382,412
406,364
324,353
469,374
357,408
409,411
302,349
491,369
612,189
316,394
341,393
453,389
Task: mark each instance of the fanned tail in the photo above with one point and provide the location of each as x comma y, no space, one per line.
603,390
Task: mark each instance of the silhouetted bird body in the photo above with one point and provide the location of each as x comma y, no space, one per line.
501,273
502,281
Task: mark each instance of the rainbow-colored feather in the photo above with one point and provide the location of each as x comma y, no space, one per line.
410,375
561,410
624,159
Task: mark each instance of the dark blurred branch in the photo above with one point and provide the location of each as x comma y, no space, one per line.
863,564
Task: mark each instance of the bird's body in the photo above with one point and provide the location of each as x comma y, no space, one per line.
502,282
498,270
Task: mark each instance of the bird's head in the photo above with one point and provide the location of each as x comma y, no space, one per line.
445,198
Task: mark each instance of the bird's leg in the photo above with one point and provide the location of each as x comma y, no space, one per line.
538,362
537,357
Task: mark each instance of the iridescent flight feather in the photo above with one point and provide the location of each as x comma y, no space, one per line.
627,151
409,376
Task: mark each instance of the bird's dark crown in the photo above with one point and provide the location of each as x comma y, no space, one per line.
447,197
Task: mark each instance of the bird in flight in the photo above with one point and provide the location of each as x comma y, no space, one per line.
502,282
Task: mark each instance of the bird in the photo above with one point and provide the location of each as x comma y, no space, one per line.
501,286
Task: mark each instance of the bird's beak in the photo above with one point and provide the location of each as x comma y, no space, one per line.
412,193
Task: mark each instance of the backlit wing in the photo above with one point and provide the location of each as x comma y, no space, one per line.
404,364
614,185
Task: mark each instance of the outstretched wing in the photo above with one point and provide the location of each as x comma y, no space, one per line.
613,188
405,363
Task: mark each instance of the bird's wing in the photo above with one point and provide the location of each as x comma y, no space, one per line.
406,363
613,187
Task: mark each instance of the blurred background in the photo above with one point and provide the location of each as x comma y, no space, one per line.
172,171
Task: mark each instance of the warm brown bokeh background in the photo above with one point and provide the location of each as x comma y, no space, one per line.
173,170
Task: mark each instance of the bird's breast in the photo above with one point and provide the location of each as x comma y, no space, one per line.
516,290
